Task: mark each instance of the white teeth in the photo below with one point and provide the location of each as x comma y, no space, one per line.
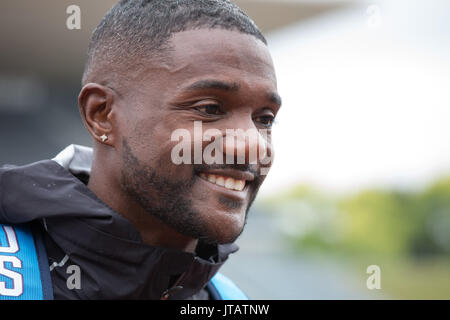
226,182
229,183
239,185
212,178
220,181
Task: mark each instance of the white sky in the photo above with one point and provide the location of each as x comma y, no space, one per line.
366,100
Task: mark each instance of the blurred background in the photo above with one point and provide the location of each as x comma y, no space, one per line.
362,171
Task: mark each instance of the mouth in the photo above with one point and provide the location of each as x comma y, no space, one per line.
230,179
224,181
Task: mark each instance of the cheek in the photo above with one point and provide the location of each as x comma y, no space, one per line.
266,162
153,147
167,165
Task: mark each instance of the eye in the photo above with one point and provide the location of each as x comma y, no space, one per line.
265,120
210,109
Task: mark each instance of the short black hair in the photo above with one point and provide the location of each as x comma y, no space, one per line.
141,29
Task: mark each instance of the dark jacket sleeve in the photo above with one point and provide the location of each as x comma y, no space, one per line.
2,192
5,173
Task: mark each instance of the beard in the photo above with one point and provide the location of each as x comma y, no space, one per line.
170,200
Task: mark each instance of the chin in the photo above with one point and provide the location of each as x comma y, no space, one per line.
225,227
222,238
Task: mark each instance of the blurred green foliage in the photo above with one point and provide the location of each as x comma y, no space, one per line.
406,233
370,222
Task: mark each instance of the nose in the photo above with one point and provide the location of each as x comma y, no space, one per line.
244,145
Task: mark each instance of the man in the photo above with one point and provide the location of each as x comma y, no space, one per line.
124,220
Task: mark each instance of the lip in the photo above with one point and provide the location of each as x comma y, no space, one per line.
232,173
234,194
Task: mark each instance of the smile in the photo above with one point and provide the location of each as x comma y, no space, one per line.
224,181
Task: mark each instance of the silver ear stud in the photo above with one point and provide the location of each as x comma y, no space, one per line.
104,137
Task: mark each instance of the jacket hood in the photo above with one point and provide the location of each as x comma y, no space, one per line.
108,249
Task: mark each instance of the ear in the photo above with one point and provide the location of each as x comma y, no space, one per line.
95,103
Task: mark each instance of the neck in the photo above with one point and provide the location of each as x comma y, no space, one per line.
154,232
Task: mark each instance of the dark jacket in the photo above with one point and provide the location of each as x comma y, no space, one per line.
79,229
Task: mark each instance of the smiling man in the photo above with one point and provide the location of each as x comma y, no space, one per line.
124,220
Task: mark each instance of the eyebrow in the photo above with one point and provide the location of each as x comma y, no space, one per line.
227,86
213,84
275,98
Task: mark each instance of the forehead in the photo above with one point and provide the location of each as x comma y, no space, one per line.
217,52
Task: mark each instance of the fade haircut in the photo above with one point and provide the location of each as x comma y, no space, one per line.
135,30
